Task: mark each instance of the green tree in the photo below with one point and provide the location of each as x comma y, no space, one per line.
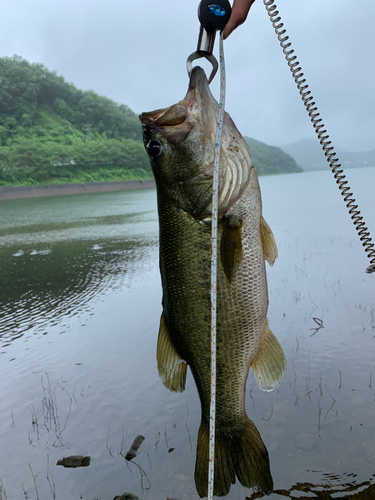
270,160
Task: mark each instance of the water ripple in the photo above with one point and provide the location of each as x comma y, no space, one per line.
43,286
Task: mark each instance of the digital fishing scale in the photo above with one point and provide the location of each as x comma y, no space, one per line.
213,17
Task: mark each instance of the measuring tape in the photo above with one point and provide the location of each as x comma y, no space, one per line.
213,16
215,196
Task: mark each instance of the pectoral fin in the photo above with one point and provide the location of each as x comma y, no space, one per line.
270,364
268,242
172,369
231,246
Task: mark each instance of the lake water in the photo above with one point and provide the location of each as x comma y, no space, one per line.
80,307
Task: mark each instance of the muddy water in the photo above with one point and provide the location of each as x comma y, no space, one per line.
80,305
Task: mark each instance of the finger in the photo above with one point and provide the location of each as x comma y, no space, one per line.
240,10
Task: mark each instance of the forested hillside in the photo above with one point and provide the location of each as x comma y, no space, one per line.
269,160
52,132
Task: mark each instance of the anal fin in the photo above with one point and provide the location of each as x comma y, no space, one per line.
172,369
268,242
270,364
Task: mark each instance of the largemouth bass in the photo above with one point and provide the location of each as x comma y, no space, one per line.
180,142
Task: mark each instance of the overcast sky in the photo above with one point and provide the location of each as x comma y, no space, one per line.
135,51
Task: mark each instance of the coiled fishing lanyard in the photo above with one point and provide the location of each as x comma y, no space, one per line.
213,17
311,108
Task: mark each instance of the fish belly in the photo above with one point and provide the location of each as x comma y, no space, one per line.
185,263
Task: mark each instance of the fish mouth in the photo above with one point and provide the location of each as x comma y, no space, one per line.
175,122
198,84
178,113
166,117
172,123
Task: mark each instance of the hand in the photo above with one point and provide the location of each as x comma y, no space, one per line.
240,10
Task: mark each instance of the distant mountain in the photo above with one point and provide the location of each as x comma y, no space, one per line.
309,154
269,160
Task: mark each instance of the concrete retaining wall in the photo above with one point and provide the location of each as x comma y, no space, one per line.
14,192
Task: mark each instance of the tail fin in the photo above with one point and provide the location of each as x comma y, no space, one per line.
238,452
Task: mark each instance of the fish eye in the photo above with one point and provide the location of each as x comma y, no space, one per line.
154,149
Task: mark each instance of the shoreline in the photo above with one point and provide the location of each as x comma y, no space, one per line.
18,192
